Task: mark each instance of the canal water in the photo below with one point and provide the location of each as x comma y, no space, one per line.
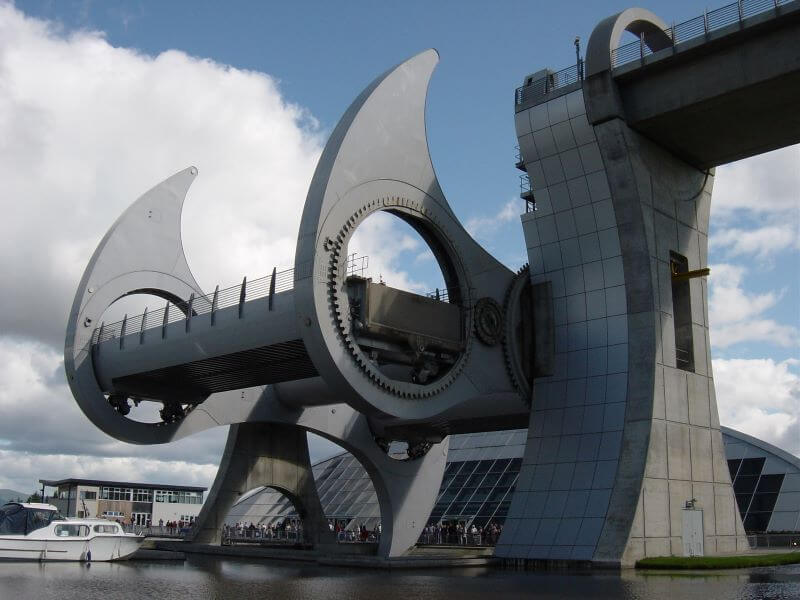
210,577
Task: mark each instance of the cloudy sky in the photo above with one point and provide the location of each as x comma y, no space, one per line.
99,102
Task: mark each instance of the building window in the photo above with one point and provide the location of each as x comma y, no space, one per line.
682,313
179,497
115,493
87,495
142,495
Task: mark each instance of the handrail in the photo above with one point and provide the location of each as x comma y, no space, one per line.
276,282
700,26
548,83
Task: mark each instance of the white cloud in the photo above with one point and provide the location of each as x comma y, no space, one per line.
85,128
760,397
767,184
391,247
760,243
736,315
484,226
756,206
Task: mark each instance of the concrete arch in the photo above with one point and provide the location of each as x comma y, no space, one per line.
406,490
269,455
607,34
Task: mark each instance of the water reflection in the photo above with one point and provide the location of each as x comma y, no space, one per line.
209,577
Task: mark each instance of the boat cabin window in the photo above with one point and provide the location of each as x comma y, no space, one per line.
106,528
72,530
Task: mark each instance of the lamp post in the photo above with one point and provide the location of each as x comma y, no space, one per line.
578,61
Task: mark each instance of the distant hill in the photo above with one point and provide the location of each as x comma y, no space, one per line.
11,495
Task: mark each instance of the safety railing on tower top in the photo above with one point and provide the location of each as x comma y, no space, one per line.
711,20
548,83
700,26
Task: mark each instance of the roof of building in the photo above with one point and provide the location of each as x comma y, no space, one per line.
125,484
765,446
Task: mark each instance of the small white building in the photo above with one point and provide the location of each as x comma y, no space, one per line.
137,503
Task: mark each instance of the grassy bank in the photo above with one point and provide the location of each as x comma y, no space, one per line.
718,562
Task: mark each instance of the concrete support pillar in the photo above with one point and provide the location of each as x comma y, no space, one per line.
263,454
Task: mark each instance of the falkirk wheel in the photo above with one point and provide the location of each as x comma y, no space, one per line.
354,361
600,348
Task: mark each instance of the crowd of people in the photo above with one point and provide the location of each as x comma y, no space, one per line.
458,533
359,534
447,533
288,529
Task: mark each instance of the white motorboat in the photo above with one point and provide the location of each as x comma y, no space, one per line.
34,531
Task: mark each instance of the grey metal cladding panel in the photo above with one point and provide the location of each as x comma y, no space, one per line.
547,531
576,308
545,143
576,336
582,130
787,501
604,214
575,505
562,477
595,301
562,134
616,387
570,252
573,281
522,123
536,175
598,186
557,110
791,483
775,465
590,246
568,532
583,475
553,171
551,254
575,103
568,449
571,162
528,148
565,223
538,117
604,474
546,227
784,521
597,361
589,532
613,272
617,329
616,303
596,329
585,222
578,191
591,158
609,242
597,505
559,197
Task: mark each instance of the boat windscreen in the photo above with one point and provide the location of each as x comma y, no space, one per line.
18,520
39,518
